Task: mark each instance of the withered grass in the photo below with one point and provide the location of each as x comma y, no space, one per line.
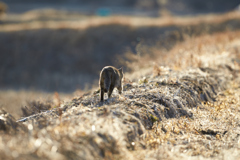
182,104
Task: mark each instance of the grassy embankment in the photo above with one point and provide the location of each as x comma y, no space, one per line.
47,51
185,107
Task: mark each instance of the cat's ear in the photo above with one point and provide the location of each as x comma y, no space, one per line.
120,70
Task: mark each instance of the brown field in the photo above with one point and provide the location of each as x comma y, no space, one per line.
66,69
181,88
46,19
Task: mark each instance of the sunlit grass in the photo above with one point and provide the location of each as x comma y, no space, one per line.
110,130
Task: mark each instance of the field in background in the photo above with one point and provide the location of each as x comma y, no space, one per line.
181,88
50,50
186,109
14,100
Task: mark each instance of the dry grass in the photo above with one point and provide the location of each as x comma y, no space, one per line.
195,52
94,21
181,103
186,113
213,133
67,52
205,51
13,101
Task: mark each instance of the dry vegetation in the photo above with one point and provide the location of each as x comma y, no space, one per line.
14,100
47,19
68,49
181,102
3,9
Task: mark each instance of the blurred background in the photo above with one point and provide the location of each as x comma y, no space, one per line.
125,7
52,46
